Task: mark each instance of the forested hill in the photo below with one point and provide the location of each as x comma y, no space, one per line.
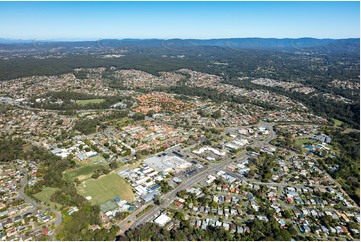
316,63
287,44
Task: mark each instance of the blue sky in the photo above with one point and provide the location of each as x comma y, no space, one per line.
95,20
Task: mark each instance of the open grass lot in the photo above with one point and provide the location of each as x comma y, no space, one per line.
338,123
106,188
121,122
303,141
86,169
128,166
82,173
91,161
96,159
88,101
46,194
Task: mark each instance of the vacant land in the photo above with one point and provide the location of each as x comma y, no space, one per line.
82,173
46,194
89,101
106,188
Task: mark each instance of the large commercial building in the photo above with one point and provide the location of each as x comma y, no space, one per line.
162,220
166,163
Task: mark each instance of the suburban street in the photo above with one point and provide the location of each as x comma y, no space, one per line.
36,206
180,121
169,197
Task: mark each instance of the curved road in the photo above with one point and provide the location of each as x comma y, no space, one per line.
36,205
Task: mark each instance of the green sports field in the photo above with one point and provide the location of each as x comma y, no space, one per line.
89,101
105,188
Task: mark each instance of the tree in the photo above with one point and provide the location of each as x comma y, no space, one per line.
77,181
150,113
95,175
59,122
127,152
214,204
106,171
157,200
217,114
293,231
138,116
113,165
283,235
287,214
164,186
179,215
181,193
87,126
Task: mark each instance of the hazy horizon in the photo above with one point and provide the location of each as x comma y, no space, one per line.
175,38
183,20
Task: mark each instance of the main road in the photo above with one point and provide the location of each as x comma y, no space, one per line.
168,198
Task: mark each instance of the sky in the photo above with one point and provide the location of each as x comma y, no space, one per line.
166,20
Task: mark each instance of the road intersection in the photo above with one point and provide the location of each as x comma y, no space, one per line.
131,221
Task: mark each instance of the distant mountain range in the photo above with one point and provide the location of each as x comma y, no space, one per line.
13,41
352,44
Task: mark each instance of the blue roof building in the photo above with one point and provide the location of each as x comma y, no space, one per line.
155,187
149,196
